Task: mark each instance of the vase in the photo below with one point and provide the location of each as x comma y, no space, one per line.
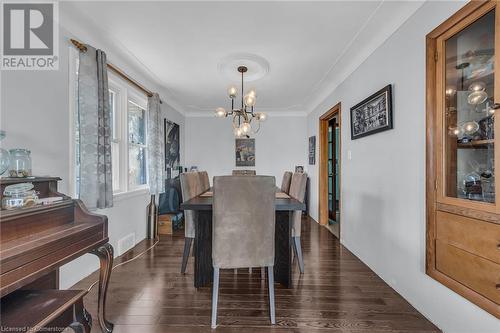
152,218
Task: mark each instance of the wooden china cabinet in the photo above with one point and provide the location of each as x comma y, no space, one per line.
463,211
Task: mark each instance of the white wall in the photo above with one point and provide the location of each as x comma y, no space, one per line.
383,185
280,145
35,115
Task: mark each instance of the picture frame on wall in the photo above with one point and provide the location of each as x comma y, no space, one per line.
312,150
245,152
373,114
172,145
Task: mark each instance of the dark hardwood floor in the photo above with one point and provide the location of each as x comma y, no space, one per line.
337,293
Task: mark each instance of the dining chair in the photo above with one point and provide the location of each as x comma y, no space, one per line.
190,187
239,172
243,229
298,191
204,181
285,183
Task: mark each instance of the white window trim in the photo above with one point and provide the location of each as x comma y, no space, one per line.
124,93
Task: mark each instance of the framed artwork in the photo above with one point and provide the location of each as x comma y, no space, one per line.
299,168
245,152
312,150
372,115
172,145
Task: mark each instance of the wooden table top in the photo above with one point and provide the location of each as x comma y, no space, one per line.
204,202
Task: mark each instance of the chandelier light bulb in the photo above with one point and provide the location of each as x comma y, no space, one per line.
249,100
261,116
220,112
232,92
238,132
245,128
252,93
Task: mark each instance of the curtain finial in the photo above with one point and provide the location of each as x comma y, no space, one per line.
79,45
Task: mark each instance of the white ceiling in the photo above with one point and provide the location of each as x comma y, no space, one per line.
310,46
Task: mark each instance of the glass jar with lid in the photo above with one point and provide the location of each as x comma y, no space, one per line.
4,156
20,163
19,196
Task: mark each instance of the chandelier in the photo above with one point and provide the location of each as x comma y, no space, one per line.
245,120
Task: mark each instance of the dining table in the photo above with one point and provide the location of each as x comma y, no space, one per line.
203,204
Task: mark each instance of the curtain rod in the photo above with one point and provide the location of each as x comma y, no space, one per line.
80,46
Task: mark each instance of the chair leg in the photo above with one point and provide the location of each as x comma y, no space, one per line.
270,273
298,253
185,256
215,297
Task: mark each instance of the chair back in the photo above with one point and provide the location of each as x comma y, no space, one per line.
191,187
285,183
239,172
298,191
298,186
243,221
204,181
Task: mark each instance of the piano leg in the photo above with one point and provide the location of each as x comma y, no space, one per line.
105,254
82,320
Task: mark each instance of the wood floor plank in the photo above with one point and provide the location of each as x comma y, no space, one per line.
337,293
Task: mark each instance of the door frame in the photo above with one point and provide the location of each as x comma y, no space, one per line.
323,160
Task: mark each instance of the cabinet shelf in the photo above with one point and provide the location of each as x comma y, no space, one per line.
477,144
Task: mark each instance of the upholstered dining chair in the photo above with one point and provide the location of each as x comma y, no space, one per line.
239,172
204,181
285,183
243,229
190,187
298,191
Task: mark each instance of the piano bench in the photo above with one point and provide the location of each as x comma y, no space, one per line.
45,310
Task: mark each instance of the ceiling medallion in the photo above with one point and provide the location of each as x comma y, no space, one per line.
257,66
243,117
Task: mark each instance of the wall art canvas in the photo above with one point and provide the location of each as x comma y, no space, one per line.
172,145
372,115
245,152
312,150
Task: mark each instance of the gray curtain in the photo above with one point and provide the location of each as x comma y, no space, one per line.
95,185
156,148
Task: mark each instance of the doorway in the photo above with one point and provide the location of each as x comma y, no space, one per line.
329,176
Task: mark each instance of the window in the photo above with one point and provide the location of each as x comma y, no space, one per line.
136,145
129,133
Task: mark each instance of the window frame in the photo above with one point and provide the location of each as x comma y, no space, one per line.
124,93
140,100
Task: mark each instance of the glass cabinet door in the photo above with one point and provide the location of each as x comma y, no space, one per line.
469,114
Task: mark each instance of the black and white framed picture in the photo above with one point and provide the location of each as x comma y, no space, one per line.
312,150
372,115
245,152
172,145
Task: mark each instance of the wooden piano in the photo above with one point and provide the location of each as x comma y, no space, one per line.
34,242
